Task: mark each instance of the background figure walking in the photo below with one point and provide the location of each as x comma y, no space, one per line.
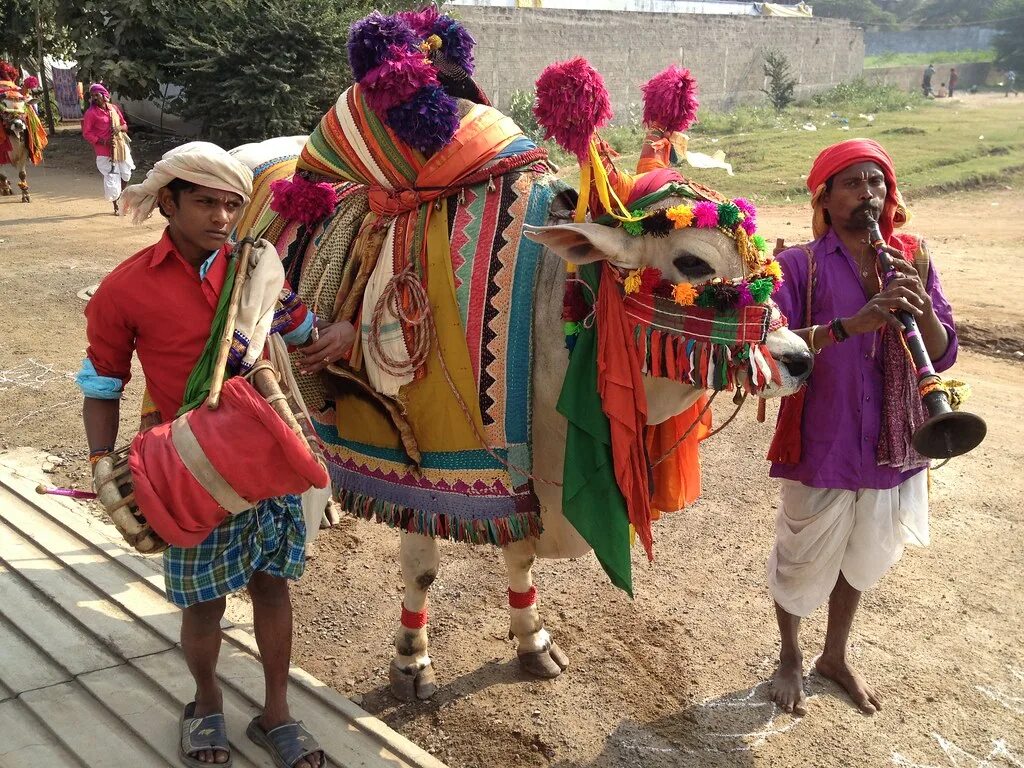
926,81
105,128
1010,82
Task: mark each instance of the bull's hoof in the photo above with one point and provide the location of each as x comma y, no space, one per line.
547,664
412,683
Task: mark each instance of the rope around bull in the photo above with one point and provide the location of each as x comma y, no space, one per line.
413,310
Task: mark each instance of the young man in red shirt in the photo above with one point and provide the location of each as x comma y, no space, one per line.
160,304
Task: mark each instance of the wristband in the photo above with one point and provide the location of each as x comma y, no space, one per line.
837,331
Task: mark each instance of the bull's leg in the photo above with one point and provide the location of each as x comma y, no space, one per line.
23,185
411,672
5,186
538,655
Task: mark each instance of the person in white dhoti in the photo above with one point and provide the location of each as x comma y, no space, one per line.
106,129
853,490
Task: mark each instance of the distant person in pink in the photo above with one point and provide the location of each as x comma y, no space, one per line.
105,128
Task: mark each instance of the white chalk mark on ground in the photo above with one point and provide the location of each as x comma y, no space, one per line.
753,705
40,411
1013,701
32,374
998,757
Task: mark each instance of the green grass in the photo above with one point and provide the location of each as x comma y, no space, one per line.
937,148
924,59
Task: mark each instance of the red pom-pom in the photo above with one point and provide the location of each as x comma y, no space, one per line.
301,200
650,278
572,103
9,72
670,99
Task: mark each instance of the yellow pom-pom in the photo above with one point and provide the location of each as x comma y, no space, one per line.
680,215
684,294
633,282
773,269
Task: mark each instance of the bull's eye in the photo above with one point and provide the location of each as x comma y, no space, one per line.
692,266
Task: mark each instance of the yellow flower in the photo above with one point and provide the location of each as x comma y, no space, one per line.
633,281
772,268
684,294
680,215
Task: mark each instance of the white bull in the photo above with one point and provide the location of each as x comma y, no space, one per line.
690,254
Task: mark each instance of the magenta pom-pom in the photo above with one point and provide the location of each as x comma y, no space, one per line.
299,199
746,298
572,103
705,214
749,222
670,99
31,83
397,79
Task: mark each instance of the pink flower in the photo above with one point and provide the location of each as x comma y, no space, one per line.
705,214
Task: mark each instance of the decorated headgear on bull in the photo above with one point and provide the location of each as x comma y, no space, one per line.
572,103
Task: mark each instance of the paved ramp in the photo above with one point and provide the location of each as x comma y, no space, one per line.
90,670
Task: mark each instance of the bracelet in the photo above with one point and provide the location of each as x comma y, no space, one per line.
810,339
96,455
838,331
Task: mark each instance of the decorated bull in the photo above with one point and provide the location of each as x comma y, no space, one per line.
427,219
22,136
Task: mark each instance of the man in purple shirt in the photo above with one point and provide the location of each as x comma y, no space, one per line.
853,490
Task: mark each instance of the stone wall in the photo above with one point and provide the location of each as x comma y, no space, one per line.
725,53
909,78
877,42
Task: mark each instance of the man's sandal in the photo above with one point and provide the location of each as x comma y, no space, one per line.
287,743
199,733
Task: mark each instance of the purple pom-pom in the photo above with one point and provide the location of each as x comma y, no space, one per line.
370,41
427,121
670,99
421,22
746,298
705,214
397,79
456,42
572,103
299,199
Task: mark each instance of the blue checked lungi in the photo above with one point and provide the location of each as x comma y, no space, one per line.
270,538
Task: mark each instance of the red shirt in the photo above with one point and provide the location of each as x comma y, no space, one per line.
155,304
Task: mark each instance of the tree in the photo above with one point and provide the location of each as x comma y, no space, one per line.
18,32
860,11
1008,16
781,82
253,69
122,43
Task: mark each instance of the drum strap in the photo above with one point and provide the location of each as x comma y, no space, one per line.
202,470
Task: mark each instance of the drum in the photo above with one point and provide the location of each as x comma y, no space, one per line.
112,480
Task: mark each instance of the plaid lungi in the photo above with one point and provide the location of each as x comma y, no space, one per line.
270,538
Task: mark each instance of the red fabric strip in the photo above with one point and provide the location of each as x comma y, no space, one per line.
412,620
522,599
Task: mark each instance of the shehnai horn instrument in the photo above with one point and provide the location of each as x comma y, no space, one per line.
946,433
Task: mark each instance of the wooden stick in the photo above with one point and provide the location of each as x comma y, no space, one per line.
217,382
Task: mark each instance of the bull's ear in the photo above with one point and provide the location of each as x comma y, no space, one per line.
587,243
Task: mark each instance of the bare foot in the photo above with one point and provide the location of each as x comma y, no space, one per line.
787,686
840,672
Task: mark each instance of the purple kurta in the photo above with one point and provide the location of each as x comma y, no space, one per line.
843,404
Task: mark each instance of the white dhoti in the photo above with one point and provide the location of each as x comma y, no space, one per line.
114,172
821,532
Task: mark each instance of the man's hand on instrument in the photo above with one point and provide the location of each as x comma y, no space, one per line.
901,294
333,343
909,271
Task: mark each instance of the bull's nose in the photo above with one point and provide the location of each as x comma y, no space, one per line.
799,364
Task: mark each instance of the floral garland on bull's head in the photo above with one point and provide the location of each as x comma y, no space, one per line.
702,334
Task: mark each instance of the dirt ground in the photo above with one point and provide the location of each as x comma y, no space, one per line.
676,677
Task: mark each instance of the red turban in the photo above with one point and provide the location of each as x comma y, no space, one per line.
840,156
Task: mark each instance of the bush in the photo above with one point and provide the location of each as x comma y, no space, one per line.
520,109
862,96
781,82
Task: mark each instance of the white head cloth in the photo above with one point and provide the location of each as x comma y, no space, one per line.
201,163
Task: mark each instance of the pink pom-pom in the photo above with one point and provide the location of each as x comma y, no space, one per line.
705,214
31,83
746,298
572,103
670,99
396,80
301,200
749,222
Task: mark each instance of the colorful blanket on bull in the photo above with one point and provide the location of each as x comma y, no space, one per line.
457,222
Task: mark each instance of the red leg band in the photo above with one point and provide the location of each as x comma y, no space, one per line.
412,620
522,599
